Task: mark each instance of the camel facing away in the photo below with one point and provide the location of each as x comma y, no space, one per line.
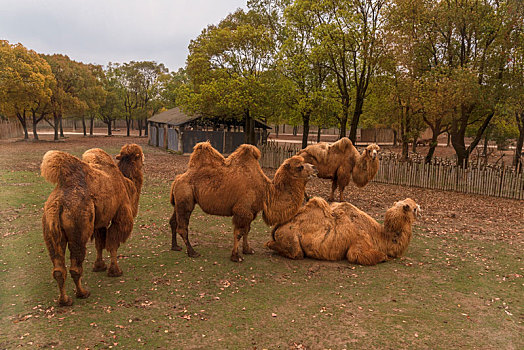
340,230
94,198
340,162
236,186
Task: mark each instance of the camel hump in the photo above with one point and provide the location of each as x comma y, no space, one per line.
205,154
58,167
97,156
245,152
319,203
317,151
342,145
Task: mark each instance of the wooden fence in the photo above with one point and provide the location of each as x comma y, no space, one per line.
441,174
10,129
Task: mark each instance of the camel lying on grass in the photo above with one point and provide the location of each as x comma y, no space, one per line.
340,230
341,162
237,187
93,198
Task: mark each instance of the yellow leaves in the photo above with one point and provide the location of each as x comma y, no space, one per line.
25,76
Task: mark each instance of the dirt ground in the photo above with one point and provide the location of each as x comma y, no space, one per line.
445,214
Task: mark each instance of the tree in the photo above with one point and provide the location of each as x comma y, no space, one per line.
349,34
26,81
71,95
228,69
305,71
466,39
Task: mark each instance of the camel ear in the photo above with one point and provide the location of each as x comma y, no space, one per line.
406,207
287,166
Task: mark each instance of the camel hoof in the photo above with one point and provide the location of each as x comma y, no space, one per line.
66,301
83,295
193,254
114,272
248,251
98,267
236,258
176,248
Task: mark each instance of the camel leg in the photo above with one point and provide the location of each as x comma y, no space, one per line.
77,251
246,249
237,234
100,244
241,222
183,213
333,188
120,229
341,195
114,269
173,224
364,254
60,274
56,244
342,182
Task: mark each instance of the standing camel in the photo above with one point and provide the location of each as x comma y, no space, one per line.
237,187
93,198
340,162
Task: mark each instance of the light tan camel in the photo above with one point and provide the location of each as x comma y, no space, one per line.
93,198
341,231
237,187
341,162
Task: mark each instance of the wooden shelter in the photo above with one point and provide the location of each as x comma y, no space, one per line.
177,131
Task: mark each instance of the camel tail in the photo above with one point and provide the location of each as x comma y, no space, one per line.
52,229
172,194
60,167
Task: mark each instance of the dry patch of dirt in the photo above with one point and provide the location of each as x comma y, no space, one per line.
444,213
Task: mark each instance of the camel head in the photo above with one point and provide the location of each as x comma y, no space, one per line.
296,167
372,151
131,153
408,208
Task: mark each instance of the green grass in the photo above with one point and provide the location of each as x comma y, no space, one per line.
446,293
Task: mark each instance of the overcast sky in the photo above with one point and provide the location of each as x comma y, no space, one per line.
102,31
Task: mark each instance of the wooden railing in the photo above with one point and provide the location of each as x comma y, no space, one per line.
441,174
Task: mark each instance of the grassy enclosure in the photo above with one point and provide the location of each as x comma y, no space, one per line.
459,285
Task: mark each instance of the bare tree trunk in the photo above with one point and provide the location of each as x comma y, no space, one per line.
84,125
23,121
318,133
305,132
61,129
91,125
35,134
517,159
249,128
359,103
344,119
128,125
395,135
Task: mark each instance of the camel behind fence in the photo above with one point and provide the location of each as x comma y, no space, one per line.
488,180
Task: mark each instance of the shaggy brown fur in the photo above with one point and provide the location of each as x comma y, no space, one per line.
340,162
341,231
237,187
93,198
